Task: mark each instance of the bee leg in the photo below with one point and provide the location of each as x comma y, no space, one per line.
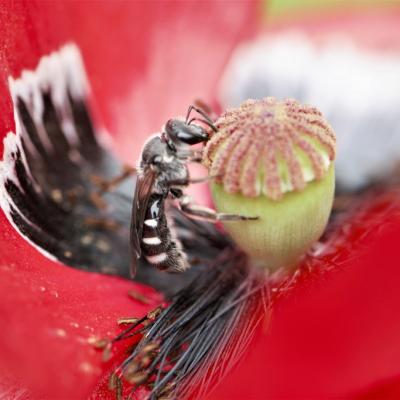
103,186
204,179
107,185
207,214
186,182
194,156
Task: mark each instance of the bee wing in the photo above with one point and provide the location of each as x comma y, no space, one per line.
144,185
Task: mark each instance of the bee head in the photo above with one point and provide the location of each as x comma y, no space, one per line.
180,132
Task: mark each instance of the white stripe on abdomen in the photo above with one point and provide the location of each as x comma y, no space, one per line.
157,259
152,241
152,223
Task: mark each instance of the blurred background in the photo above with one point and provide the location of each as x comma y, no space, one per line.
147,61
340,56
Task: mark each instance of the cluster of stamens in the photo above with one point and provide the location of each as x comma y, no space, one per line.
142,366
269,147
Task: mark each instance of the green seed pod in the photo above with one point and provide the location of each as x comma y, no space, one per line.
273,159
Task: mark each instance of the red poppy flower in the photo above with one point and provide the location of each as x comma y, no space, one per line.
146,63
333,335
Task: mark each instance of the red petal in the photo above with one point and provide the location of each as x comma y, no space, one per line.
374,26
337,336
48,312
389,389
146,62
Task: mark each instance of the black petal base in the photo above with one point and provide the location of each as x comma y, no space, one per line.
49,191
48,178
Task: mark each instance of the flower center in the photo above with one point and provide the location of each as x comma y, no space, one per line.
270,147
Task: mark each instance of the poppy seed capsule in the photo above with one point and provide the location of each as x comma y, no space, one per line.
273,159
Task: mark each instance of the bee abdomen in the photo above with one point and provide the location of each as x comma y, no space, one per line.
160,246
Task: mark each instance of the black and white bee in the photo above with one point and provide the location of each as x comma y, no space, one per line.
163,174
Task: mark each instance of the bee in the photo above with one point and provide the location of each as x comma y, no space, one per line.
163,175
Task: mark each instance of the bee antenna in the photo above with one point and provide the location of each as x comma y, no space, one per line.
202,113
208,123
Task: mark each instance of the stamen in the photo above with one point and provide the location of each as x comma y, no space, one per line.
127,321
139,297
